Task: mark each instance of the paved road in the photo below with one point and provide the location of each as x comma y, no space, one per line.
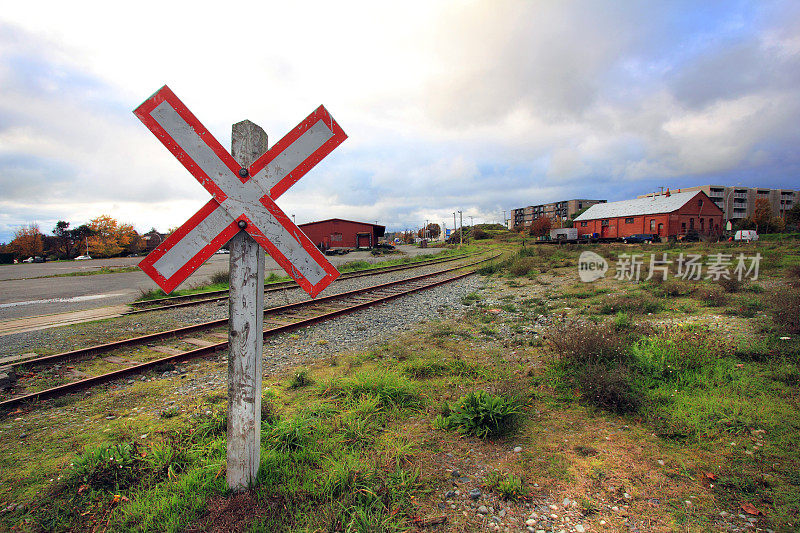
24,293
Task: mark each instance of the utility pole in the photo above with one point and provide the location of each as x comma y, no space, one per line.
504,218
454,225
470,222
461,227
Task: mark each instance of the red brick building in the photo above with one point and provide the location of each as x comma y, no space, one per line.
666,215
339,233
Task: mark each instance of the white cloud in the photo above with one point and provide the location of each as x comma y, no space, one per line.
472,105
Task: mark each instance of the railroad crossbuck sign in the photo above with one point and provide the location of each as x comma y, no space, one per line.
241,197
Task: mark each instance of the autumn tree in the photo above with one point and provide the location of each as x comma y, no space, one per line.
111,238
541,227
407,237
27,241
762,213
763,218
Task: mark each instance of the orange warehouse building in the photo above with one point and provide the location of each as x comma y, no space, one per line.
666,215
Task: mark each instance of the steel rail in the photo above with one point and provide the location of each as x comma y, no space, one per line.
216,296
199,352
107,347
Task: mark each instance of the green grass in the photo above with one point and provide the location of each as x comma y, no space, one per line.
481,414
392,389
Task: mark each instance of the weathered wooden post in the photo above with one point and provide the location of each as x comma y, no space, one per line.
244,186
245,324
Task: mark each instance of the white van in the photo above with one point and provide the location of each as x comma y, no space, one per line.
746,235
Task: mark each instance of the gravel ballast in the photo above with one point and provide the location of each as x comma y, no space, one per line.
55,340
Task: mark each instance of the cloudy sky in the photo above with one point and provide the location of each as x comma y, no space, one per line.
480,106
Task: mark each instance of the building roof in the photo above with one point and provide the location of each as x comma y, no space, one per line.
381,229
640,206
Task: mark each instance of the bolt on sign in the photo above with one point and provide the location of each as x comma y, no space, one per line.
242,198
243,187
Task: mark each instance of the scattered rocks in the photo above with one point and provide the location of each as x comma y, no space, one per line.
482,510
474,494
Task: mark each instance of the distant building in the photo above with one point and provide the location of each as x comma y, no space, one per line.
339,233
666,215
740,202
524,216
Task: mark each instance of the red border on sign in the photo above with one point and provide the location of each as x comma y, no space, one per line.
169,284
290,179
305,242
166,95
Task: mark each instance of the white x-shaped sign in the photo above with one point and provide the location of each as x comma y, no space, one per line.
240,196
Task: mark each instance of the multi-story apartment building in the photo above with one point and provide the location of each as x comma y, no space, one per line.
740,202
524,216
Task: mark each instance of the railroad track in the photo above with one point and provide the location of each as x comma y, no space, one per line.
210,337
171,302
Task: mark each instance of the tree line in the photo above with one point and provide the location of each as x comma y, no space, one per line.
103,236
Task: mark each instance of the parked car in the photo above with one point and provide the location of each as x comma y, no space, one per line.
746,235
689,236
642,237
83,257
28,260
39,259
222,251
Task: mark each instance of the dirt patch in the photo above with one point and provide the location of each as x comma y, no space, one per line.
235,513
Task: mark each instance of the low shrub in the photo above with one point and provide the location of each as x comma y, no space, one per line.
221,278
478,233
482,414
732,284
522,266
509,486
110,467
622,321
580,344
609,388
785,309
301,378
712,296
677,287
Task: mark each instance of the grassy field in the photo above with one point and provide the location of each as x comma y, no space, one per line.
659,405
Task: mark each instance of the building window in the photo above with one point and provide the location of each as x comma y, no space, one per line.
691,223
583,224
629,220
700,202
702,225
604,222
652,225
336,237
683,227
661,229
